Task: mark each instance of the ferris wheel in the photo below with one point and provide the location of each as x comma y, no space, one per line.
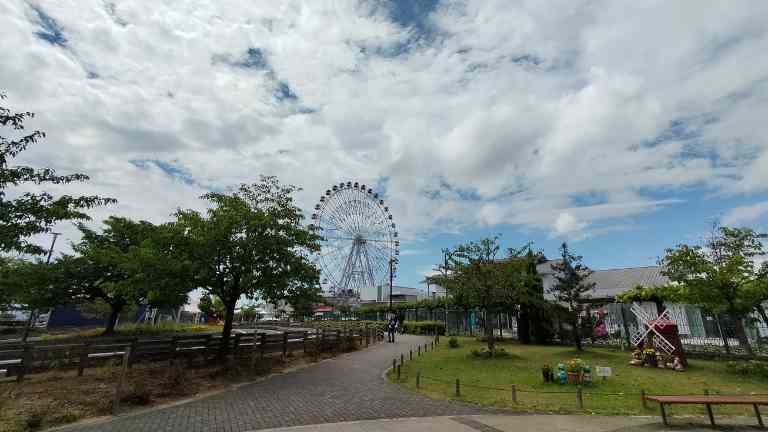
359,245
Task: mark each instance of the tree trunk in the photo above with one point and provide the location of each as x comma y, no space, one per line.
114,313
524,326
229,316
488,321
741,334
577,334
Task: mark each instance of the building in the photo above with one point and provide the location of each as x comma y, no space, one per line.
400,294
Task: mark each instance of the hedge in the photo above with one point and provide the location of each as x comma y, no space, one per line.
424,327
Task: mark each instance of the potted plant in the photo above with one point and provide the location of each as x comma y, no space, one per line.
649,357
574,370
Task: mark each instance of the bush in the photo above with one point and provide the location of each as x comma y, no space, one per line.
453,342
424,327
752,368
138,395
485,353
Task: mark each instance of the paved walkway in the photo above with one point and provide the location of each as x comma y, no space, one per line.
506,423
346,388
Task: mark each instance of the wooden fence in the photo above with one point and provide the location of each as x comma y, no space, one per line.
19,359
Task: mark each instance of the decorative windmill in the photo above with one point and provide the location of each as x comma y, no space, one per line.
656,326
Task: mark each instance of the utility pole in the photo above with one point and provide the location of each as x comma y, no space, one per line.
391,276
33,312
53,242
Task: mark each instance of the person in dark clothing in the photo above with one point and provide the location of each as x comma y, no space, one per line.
391,329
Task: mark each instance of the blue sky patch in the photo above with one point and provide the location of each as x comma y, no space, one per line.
170,169
50,30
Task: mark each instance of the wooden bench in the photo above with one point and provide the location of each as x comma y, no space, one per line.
708,401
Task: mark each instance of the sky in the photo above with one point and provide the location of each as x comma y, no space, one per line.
621,127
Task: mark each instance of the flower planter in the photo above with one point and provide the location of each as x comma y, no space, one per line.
573,378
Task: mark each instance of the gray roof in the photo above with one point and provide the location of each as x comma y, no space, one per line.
609,283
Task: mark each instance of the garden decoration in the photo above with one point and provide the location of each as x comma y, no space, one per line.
661,333
561,376
574,370
546,373
586,376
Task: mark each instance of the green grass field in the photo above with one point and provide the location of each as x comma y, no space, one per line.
166,327
489,381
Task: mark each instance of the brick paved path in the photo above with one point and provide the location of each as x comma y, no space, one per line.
346,388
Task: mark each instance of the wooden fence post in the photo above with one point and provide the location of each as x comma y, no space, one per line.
304,341
579,398
253,351
402,358
83,363
134,345
410,354
458,388
338,342
26,362
121,380
418,350
394,364
262,344
174,345
642,396
317,344
514,393
285,346
418,379
398,372
237,345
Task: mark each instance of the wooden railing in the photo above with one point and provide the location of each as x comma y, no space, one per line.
19,359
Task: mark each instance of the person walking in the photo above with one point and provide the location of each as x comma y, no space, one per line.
391,329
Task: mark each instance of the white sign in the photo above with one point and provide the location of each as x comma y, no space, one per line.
603,371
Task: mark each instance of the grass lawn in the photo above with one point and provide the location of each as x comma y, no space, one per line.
162,328
489,381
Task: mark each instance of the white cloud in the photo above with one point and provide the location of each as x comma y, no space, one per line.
745,215
566,225
519,109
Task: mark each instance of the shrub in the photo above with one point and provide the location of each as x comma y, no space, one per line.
485,353
453,342
753,368
424,327
138,395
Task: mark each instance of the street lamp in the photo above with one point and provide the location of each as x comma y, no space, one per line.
392,262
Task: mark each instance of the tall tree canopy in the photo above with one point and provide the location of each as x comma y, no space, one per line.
721,275
29,213
127,263
249,243
571,288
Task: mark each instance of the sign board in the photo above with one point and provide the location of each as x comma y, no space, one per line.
603,371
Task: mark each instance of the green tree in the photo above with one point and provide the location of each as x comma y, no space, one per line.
571,288
127,263
211,306
658,295
529,299
250,243
30,285
29,213
477,275
721,275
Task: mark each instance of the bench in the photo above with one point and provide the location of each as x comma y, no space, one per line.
708,401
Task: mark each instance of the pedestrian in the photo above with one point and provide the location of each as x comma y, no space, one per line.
391,328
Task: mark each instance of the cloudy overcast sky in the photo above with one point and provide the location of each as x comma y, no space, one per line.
622,126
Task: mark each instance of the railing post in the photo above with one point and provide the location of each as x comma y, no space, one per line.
262,344
418,380
83,363
642,397
26,362
121,379
402,358
134,345
174,344
304,341
579,398
514,393
394,364
237,345
398,372
410,354
285,346
458,388
418,350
